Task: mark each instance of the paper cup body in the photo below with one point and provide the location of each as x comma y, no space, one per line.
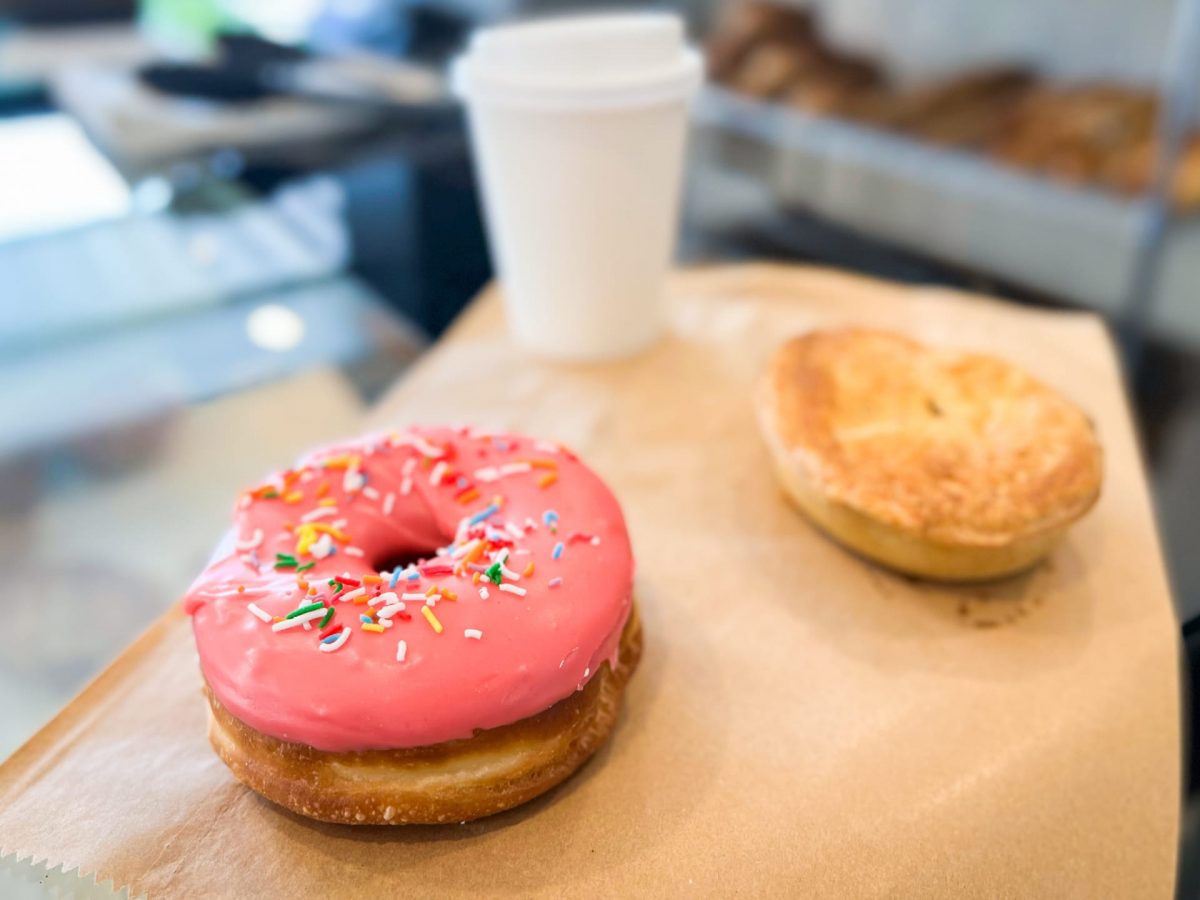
581,183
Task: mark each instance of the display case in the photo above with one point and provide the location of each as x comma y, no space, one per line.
1073,184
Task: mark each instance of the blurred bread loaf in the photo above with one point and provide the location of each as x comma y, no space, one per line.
1090,134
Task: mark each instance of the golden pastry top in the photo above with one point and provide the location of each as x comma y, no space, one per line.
957,448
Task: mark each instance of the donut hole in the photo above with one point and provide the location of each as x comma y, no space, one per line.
402,558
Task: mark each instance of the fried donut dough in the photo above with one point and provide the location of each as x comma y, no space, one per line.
454,781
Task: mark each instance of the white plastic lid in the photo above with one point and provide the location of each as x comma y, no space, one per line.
594,61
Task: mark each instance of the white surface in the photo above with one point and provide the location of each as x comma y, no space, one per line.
27,880
51,178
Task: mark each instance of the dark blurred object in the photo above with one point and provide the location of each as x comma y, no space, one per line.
63,12
240,71
423,32
1091,134
246,68
436,33
416,231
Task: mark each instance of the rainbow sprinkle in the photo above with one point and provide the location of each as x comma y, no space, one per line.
486,549
431,619
483,514
253,541
304,619
333,642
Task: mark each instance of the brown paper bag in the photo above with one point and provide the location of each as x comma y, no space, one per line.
803,723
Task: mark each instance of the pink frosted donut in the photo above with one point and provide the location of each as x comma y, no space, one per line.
424,626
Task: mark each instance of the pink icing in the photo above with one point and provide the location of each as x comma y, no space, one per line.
532,650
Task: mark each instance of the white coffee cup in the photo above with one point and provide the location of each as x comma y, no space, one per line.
578,126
